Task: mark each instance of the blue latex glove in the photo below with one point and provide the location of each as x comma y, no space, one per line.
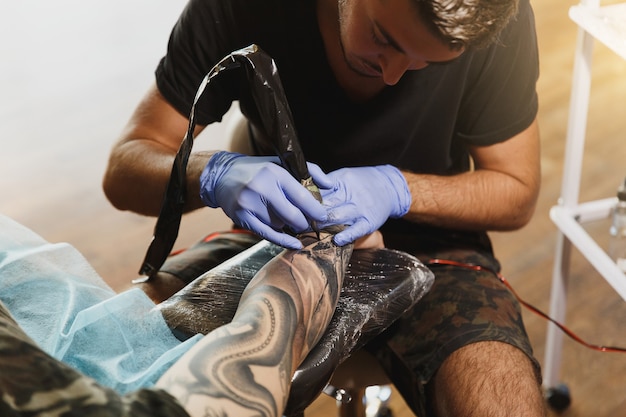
363,198
260,195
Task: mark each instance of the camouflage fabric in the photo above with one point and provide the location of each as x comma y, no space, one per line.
33,384
464,306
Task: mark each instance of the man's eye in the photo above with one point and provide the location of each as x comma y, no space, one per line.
378,38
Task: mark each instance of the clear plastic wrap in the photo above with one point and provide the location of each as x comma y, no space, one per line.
379,285
212,299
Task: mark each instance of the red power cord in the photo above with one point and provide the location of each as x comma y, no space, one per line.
436,262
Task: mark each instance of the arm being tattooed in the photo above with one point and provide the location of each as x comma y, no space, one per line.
244,368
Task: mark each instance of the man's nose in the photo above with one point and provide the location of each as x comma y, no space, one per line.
394,64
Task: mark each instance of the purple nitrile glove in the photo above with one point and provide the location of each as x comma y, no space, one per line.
363,198
260,195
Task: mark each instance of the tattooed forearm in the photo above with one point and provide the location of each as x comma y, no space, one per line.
244,368
241,368
312,277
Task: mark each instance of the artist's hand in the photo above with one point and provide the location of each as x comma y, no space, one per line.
363,198
261,196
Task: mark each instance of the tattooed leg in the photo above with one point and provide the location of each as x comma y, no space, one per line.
244,367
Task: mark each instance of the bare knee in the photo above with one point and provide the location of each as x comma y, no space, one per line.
487,379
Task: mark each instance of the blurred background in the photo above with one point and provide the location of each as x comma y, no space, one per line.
72,71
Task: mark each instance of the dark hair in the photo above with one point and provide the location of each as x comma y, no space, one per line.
466,23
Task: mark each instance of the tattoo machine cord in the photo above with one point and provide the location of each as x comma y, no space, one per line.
563,328
268,94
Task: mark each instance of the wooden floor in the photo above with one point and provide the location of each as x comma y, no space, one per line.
71,72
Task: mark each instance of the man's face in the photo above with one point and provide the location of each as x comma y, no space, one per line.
385,38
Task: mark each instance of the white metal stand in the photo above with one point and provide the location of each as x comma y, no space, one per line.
606,24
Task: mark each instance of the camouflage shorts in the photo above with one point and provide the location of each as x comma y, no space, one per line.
34,384
464,306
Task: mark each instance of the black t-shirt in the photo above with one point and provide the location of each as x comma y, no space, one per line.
422,124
